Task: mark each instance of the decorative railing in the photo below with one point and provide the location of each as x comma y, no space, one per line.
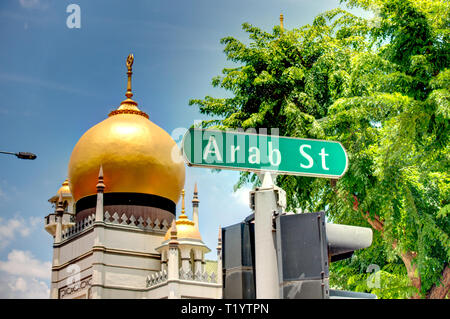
51,219
156,278
146,224
198,276
78,227
161,277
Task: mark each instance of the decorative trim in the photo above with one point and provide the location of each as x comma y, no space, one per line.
78,227
198,276
124,267
129,222
156,278
128,111
85,255
125,252
73,288
187,276
132,221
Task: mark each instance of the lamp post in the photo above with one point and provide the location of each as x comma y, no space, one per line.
22,155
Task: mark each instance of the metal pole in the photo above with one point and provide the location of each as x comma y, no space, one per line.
9,153
267,199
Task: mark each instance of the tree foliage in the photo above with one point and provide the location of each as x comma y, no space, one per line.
380,86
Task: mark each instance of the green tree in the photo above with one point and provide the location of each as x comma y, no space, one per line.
381,87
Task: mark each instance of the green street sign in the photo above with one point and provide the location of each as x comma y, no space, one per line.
264,153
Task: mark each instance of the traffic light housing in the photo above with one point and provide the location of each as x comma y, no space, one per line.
306,244
238,258
302,256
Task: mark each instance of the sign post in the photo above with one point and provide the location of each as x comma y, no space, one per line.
268,156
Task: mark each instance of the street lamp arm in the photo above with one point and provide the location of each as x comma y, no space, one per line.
7,153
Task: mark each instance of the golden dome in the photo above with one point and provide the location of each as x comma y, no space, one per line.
64,190
137,155
185,227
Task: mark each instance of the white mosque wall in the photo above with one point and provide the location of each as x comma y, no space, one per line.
132,238
76,247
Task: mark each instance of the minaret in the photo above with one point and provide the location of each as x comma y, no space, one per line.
281,22
59,212
98,268
59,218
195,203
100,189
183,209
172,262
185,253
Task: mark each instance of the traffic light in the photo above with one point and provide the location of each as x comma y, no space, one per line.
302,256
306,244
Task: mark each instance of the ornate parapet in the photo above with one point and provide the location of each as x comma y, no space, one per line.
147,224
156,278
198,276
161,277
114,219
188,285
78,227
50,222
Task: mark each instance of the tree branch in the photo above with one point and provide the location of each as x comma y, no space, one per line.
376,223
441,291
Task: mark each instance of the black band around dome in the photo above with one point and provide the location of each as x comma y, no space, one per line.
133,199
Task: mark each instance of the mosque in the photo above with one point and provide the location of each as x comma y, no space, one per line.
114,225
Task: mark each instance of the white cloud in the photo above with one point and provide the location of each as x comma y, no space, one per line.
16,226
23,276
28,3
33,4
22,263
23,288
19,285
241,196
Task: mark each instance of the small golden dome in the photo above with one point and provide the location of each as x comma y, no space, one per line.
137,155
64,190
185,227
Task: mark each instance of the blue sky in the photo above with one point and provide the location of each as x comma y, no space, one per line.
56,83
